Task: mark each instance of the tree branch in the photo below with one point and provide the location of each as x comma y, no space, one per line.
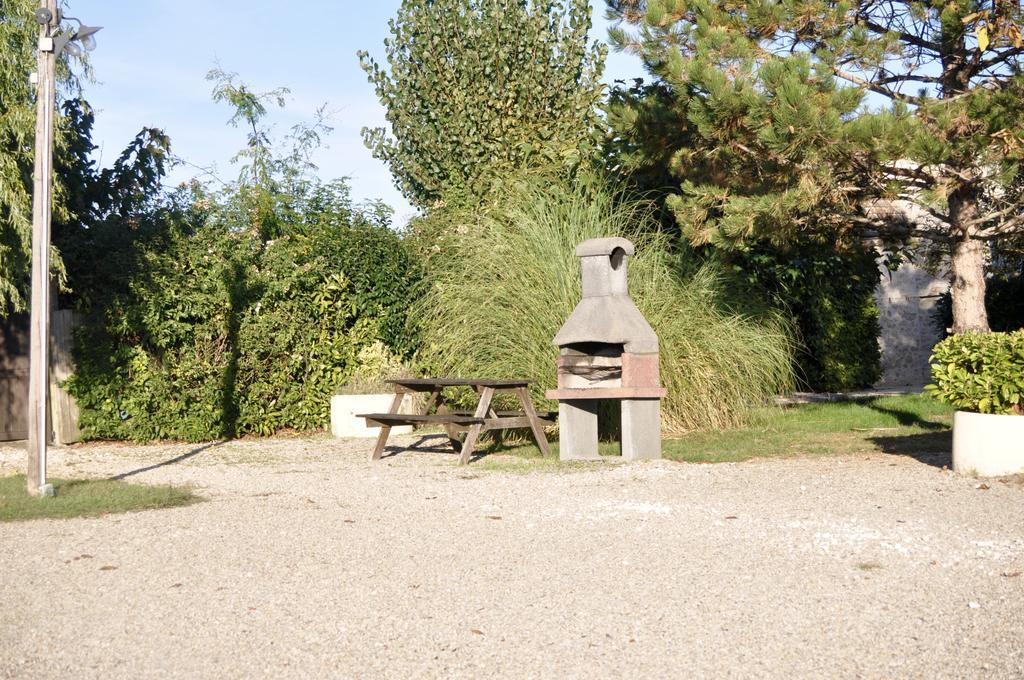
909,38
994,216
1011,226
900,228
927,181
999,57
931,235
884,91
908,77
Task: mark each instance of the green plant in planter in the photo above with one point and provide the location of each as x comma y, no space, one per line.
983,373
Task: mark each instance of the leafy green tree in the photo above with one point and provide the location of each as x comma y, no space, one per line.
106,209
83,195
250,110
477,88
823,120
19,33
273,171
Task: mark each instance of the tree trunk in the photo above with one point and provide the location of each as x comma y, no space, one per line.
968,259
968,289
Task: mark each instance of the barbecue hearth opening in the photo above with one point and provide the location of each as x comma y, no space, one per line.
590,364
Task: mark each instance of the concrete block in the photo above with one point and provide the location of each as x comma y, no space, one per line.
345,407
577,430
641,429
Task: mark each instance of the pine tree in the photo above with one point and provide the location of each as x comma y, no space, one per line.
834,120
479,87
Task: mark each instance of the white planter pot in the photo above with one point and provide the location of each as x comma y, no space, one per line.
344,408
988,445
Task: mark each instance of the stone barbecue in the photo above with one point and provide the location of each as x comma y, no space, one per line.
607,351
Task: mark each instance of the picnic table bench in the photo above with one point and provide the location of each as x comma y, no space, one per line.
483,419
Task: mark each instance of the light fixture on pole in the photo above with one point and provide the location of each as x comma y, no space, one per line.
77,40
54,39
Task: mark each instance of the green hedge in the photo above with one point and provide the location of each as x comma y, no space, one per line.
204,330
978,372
831,295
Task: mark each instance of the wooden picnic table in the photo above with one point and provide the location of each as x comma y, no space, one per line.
483,419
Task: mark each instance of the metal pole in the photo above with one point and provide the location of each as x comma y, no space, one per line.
38,404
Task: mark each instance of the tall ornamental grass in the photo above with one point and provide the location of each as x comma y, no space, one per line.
501,281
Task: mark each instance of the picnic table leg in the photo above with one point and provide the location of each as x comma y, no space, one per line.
482,409
382,438
434,400
442,409
535,426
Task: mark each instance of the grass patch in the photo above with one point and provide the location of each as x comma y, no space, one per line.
86,498
913,425
907,425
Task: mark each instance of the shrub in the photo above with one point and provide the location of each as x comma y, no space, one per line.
209,331
831,295
375,365
502,282
1004,301
977,372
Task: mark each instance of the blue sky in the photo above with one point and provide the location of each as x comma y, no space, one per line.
153,56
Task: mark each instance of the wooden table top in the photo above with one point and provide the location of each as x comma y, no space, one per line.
459,382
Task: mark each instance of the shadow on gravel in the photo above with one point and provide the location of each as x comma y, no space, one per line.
172,461
490,443
930,448
443,445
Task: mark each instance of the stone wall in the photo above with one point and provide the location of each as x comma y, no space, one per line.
906,302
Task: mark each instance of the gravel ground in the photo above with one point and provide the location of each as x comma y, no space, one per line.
310,561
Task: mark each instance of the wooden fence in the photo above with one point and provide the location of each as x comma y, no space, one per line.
14,357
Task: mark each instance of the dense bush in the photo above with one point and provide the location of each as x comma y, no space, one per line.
983,373
1004,301
213,331
502,281
832,297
